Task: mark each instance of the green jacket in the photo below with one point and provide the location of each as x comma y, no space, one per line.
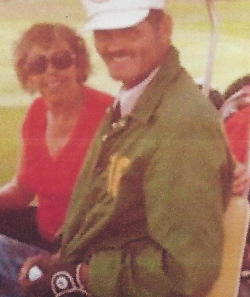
147,208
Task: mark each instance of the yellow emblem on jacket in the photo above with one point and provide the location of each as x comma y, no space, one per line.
117,167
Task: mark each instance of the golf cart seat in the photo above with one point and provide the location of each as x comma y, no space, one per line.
236,220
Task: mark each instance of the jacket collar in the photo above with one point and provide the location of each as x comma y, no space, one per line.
152,95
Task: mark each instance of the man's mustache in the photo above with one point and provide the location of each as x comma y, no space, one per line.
117,54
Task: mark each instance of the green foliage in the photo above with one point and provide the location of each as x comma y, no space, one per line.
192,33
10,120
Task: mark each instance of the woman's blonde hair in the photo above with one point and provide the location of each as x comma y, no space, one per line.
44,35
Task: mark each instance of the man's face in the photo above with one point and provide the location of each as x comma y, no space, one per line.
132,53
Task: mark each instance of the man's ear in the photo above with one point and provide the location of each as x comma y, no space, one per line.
166,29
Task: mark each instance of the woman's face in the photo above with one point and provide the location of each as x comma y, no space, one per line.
53,71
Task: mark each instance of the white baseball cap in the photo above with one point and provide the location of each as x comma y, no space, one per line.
118,14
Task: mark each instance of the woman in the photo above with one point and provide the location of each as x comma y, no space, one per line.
50,59
236,113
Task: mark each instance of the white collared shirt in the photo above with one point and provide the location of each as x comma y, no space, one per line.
128,98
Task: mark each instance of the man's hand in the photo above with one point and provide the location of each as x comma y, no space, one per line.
57,279
241,179
42,261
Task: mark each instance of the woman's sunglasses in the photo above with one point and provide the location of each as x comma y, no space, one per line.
60,60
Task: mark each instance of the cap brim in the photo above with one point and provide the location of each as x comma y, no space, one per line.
116,20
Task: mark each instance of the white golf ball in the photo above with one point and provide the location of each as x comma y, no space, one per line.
35,273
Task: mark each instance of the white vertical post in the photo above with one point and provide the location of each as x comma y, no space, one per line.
213,17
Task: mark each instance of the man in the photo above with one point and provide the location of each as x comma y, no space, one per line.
146,214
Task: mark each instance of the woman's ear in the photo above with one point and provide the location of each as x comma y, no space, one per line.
31,85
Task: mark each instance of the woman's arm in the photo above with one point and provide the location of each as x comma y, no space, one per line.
13,196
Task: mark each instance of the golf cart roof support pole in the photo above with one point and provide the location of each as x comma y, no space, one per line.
213,17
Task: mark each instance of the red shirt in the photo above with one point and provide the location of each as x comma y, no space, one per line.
237,130
53,179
